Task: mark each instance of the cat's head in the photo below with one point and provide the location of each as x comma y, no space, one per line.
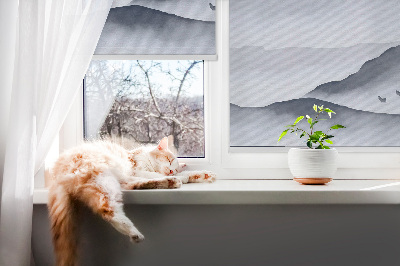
164,161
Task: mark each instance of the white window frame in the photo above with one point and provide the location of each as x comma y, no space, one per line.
245,163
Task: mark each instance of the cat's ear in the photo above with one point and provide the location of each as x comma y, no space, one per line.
171,146
163,145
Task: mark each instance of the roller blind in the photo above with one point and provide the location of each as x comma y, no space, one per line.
287,55
160,27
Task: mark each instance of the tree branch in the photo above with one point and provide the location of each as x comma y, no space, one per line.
169,118
146,73
182,81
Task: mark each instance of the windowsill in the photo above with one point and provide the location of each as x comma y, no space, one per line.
264,192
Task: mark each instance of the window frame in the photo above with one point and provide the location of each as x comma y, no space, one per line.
244,162
156,58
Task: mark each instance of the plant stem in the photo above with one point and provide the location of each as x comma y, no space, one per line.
316,119
303,131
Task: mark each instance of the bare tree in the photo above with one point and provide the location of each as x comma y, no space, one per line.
141,108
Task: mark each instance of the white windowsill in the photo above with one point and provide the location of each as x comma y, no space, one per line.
264,192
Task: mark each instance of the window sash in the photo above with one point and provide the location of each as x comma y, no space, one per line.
249,163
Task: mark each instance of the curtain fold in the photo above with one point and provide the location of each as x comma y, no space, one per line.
55,43
8,24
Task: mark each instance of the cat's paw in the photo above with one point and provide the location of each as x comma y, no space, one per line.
201,176
182,167
209,177
137,237
174,182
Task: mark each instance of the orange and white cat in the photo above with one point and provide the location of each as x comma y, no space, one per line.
94,174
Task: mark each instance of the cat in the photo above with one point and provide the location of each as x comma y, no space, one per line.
94,174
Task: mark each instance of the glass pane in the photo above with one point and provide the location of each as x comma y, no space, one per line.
284,58
142,101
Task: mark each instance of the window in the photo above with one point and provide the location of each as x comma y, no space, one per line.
236,162
142,101
287,56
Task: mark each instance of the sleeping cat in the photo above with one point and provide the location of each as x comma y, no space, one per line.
94,174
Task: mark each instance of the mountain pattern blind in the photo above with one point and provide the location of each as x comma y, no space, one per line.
159,27
287,55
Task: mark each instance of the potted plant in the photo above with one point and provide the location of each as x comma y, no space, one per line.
317,163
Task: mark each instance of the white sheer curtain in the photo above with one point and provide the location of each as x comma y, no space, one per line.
54,44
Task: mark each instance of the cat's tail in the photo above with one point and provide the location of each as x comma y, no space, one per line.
62,212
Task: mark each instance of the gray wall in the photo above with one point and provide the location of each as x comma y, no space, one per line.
237,235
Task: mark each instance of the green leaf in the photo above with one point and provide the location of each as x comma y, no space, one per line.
319,133
313,123
329,141
283,134
329,110
327,137
337,127
315,108
309,144
314,137
302,134
322,146
310,121
298,120
319,147
289,126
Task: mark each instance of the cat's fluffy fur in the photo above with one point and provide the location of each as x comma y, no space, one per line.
94,174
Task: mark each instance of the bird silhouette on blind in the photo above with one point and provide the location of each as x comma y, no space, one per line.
383,100
212,6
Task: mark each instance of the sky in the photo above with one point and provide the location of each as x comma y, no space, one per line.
196,88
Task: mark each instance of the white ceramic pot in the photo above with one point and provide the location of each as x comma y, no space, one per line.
310,166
